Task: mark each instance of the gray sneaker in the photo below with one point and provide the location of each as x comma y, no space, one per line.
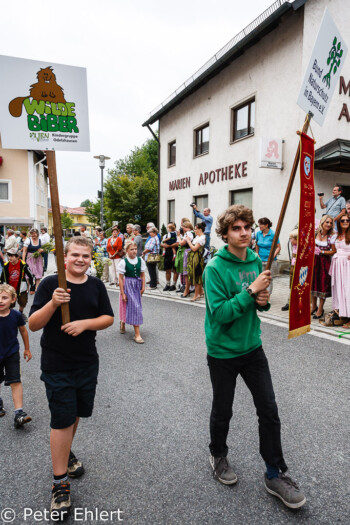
222,470
286,490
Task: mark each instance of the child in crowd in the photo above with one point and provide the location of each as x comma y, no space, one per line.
15,273
132,285
10,322
293,237
170,238
69,359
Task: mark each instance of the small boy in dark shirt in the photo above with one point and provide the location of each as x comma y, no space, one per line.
10,322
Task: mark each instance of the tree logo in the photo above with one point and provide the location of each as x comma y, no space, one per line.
333,60
46,106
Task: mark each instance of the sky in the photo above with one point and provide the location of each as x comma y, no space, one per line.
136,54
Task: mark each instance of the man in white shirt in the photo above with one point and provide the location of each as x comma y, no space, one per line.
44,238
84,232
11,241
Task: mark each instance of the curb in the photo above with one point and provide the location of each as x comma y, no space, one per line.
335,333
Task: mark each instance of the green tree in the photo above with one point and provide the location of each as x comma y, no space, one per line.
131,188
85,203
93,212
67,220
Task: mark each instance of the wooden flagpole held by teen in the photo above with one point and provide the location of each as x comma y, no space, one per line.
57,228
287,195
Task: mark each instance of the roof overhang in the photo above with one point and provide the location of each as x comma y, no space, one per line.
250,36
334,156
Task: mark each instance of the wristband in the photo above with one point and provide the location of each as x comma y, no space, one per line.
251,293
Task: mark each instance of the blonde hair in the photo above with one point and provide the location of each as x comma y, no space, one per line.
294,234
171,226
187,224
322,221
128,244
80,241
9,290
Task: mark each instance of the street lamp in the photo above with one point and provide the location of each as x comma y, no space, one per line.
102,159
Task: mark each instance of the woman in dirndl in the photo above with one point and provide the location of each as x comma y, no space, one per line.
188,235
32,250
195,261
131,271
340,270
321,280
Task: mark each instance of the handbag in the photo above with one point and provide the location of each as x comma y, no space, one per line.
153,258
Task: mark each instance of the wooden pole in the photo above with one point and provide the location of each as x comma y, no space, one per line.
286,197
57,228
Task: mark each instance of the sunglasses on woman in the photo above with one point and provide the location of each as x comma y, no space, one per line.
345,220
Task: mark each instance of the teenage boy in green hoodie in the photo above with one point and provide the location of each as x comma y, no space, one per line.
235,288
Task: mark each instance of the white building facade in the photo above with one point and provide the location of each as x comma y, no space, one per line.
242,104
23,189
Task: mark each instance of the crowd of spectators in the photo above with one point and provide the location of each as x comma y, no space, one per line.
185,249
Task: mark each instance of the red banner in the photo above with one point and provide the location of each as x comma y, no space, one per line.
300,293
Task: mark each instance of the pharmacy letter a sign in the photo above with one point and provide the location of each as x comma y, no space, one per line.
323,70
43,106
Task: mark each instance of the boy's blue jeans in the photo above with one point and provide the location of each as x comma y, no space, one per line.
254,369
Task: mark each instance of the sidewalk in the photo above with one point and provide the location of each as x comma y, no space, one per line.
278,299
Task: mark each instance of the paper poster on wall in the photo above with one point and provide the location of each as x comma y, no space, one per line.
43,105
271,153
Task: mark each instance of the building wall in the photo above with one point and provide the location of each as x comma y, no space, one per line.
41,188
78,221
29,190
15,169
272,72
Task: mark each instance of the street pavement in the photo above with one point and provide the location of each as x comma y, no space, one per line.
145,449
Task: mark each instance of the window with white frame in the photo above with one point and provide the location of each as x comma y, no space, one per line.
201,140
172,153
201,202
5,190
244,197
243,120
171,211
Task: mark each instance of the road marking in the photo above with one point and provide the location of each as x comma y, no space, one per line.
335,338
345,340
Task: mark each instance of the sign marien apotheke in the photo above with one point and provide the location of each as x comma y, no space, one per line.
234,171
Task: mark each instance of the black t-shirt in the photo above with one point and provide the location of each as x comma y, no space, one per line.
61,351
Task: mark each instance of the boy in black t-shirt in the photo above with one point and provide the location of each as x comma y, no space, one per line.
10,322
69,360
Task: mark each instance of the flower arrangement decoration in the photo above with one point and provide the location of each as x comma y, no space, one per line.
99,262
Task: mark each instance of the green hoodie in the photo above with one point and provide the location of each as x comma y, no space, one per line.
232,326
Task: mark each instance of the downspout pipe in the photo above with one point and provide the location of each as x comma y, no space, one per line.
157,139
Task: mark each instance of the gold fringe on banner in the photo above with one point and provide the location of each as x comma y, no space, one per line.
299,331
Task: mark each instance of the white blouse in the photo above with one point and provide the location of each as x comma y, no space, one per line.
121,265
200,239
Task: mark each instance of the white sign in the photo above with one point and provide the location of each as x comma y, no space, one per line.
271,153
43,106
323,70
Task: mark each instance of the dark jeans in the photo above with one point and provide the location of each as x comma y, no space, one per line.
152,270
207,241
254,369
45,257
